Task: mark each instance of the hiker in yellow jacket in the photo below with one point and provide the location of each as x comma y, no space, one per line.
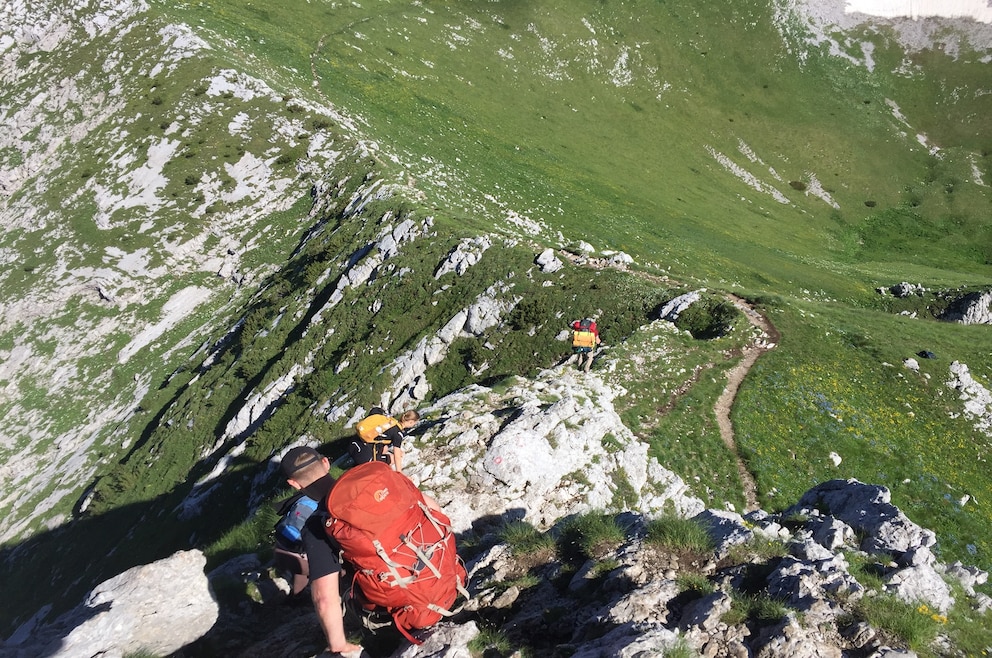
379,437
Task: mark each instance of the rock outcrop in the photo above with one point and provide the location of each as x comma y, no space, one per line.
974,308
544,449
815,567
157,608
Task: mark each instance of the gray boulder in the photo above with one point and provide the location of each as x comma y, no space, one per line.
548,262
630,641
677,306
444,641
466,254
868,510
726,529
810,586
976,398
156,608
975,308
705,613
792,640
920,584
905,289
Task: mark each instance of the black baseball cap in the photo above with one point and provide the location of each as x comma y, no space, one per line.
299,458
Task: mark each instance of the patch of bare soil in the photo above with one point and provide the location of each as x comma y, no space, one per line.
662,559
767,339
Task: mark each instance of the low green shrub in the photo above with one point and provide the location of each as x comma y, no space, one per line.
490,643
589,536
680,534
757,549
758,608
689,581
709,318
681,649
525,539
917,625
970,631
865,569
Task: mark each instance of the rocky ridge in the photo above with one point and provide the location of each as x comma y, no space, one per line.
104,104
542,452
822,562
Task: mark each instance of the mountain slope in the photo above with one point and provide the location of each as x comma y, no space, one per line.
229,227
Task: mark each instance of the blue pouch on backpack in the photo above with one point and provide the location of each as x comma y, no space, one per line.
290,526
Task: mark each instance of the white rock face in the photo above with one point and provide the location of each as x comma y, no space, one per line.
157,608
978,10
975,308
548,262
71,167
409,383
976,398
915,24
465,255
674,308
539,451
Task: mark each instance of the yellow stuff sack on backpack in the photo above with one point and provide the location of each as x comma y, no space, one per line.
583,339
370,429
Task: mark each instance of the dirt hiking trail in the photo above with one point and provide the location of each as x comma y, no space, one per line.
766,340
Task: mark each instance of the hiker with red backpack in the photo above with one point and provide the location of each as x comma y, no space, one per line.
585,339
400,544
379,437
395,538
307,470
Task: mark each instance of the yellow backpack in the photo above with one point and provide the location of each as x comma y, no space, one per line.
371,428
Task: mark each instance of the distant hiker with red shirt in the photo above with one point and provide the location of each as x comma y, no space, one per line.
585,339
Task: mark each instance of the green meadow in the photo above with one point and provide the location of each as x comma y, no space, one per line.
610,123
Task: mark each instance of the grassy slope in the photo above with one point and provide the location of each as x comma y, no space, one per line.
550,135
531,106
528,103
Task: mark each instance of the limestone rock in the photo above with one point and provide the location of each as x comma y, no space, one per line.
868,510
725,528
905,289
674,308
548,262
975,308
158,608
920,584
977,399
443,641
466,254
541,457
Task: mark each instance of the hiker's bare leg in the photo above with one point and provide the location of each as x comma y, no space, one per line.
397,459
327,603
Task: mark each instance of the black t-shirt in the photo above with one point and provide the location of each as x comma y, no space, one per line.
321,555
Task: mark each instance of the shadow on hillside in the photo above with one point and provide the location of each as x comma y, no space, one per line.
59,567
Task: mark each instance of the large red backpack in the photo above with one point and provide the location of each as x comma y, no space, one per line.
403,552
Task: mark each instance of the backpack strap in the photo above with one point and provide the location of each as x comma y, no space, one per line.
421,555
398,580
